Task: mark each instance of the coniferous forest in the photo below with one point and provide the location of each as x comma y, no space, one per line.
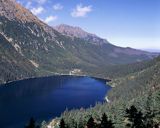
134,103
34,53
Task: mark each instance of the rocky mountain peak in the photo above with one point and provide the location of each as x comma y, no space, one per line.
74,31
14,11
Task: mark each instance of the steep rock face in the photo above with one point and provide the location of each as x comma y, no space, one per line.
94,39
80,33
29,47
14,11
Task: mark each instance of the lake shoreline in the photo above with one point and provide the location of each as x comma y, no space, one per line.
37,97
39,77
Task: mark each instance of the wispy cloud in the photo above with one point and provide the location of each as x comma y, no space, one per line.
37,11
41,1
28,5
58,6
50,19
81,11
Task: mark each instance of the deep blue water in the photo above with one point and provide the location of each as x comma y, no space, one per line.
47,97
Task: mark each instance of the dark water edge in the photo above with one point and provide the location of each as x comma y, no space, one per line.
55,75
47,97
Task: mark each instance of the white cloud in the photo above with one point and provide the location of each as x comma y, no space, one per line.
37,11
81,11
57,6
41,1
50,19
28,5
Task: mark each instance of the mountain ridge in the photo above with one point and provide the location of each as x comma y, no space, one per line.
140,88
74,31
46,51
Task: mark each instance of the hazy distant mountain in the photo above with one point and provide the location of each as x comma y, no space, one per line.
153,50
29,47
73,31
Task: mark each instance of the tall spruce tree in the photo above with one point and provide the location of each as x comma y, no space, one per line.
62,124
149,114
105,123
90,123
31,124
135,117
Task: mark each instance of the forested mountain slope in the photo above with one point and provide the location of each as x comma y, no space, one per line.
30,47
13,66
141,88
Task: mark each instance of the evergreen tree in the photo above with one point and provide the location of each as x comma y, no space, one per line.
31,124
149,112
90,123
135,117
62,124
105,123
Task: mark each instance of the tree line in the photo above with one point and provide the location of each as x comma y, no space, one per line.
133,119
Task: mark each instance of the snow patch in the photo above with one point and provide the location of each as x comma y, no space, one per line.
31,31
45,39
34,63
18,48
60,44
7,38
45,48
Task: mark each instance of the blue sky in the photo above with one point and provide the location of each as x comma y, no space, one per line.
127,23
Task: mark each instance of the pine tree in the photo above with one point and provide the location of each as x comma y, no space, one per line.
90,123
62,124
135,117
105,123
31,124
149,112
